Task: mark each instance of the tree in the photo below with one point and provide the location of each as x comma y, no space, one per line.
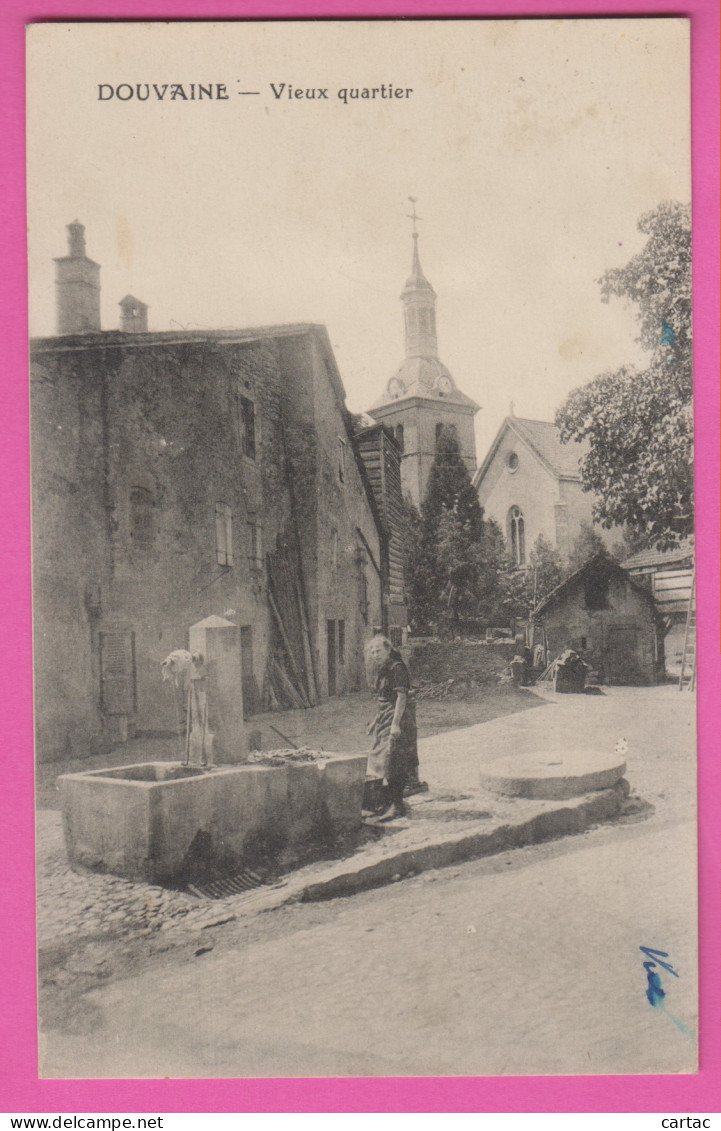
449,488
522,589
639,425
629,543
586,544
454,560
421,582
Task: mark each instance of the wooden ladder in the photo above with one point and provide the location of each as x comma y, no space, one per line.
687,678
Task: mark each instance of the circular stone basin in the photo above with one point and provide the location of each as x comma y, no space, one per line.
552,775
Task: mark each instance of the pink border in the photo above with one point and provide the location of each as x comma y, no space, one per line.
21,1090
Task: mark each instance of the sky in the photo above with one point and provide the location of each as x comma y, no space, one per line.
532,148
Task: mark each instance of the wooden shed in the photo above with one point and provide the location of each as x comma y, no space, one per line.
609,619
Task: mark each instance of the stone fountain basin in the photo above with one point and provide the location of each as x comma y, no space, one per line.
143,821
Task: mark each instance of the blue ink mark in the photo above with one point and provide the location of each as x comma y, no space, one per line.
668,337
655,957
679,1024
654,990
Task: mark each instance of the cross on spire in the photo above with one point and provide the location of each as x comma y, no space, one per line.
414,216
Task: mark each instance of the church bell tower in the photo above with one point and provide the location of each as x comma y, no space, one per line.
421,399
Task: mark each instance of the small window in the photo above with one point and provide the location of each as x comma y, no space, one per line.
596,591
439,432
400,437
334,555
256,545
142,524
341,641
223,534
512,461
341,460
247,427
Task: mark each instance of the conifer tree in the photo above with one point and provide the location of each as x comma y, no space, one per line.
451,571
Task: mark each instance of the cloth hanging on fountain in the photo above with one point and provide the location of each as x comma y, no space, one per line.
177,667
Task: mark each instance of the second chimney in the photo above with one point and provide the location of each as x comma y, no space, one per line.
133,315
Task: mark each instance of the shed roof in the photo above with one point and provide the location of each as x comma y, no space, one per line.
647,559
601,558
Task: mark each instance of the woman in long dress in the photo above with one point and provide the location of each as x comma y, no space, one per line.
394,756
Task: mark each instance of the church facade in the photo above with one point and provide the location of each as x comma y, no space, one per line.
422,399
530,483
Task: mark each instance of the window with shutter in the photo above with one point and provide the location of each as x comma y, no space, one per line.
223,534
118,691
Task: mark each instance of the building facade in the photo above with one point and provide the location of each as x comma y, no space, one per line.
178,475
530,483
422,398
610,620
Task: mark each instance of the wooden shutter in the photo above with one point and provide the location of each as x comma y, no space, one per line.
118,694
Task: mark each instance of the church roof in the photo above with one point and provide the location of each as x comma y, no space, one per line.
546,439
419,376
417,281
543,438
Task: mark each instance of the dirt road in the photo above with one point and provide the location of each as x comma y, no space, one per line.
527,962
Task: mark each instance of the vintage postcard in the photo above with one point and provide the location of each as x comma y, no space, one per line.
363,548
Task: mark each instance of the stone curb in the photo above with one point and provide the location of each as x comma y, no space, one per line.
378,866
569,819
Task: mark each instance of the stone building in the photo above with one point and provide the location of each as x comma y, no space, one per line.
181,474
422,398
530,483
608,618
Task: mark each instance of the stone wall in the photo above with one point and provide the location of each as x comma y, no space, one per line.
464,661
137,440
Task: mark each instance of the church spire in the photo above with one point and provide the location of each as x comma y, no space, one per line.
419,301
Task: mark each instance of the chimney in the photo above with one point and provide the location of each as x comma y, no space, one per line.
133,315
77,279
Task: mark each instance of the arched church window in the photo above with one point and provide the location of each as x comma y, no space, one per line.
517,536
